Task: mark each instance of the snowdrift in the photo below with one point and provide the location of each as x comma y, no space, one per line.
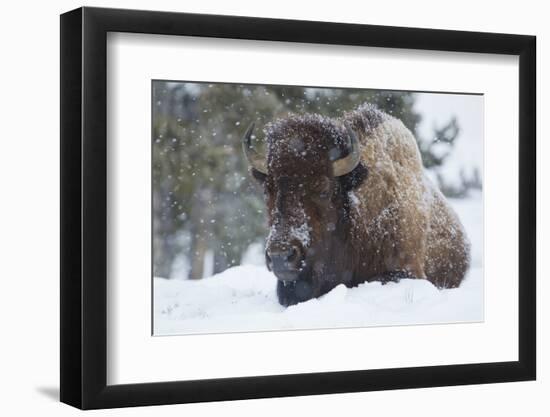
243,298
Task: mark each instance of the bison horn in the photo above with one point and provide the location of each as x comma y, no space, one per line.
348,163
257,161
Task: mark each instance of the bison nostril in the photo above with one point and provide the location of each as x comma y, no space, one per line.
292,254
295,256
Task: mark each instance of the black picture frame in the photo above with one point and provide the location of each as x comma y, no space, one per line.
84,207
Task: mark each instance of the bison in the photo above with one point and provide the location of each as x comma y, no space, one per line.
348,202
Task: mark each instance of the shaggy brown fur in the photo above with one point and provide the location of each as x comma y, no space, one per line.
382,221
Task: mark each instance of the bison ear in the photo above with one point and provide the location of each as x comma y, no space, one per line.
355,178
258,176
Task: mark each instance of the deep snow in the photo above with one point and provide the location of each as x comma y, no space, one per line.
243,298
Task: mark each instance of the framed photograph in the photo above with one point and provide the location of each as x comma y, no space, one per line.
256,208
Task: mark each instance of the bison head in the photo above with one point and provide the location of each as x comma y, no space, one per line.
311,164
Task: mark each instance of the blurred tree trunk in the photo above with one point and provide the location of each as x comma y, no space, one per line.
220,262
198,253
200,221
163,234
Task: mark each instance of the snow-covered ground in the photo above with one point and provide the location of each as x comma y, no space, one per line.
243,298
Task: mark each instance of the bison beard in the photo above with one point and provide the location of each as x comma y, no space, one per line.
348,202
294,292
